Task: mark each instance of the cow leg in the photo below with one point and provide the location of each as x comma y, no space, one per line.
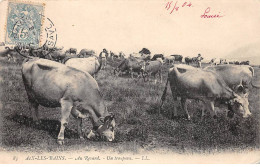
131,71
9,57
33,107
211,108
65,113
175,103
160,75
155,80
184,107
79,124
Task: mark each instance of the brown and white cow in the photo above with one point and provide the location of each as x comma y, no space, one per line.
52,84
237,77
131,64
152,68
188,82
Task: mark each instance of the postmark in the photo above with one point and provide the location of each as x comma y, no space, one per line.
24,23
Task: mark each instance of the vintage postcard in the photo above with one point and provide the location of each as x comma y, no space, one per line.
129,82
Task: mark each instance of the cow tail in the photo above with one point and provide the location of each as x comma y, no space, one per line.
100,61
164,94
252,70
253,74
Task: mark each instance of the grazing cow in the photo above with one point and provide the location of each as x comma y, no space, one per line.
131,64
59,56
156,56
244,63
52,84
188,60
84,53
11,54
188,82
214,61
116,55
177,58
238,78
169,59
153,68
145,54
91,65
222,61
145,51
236,62
71,51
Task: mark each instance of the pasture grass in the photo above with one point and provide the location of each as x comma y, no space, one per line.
139,127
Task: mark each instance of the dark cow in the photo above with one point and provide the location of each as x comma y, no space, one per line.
188,82
177,58
188,60
157,56
145,51
71,51
52,84
244,63
236,62
145,54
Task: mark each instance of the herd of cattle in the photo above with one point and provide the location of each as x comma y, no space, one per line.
57,78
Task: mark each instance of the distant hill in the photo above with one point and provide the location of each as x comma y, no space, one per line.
250,52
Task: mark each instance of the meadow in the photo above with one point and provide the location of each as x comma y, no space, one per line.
139,128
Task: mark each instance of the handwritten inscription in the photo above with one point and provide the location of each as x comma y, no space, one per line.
208,15
177,6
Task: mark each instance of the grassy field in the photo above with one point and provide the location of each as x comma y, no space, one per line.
139,127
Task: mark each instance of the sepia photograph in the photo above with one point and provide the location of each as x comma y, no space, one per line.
130,82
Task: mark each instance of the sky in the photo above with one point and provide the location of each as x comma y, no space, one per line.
128,26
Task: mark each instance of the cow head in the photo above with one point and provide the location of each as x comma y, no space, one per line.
239,105
106,130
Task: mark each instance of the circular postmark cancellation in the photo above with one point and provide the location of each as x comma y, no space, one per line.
27,26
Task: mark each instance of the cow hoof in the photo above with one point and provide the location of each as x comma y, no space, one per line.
230,114
38,122
60,141
81,138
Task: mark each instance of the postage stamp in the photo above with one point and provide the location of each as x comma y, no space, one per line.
24,23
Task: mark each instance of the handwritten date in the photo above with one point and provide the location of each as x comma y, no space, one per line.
177,6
